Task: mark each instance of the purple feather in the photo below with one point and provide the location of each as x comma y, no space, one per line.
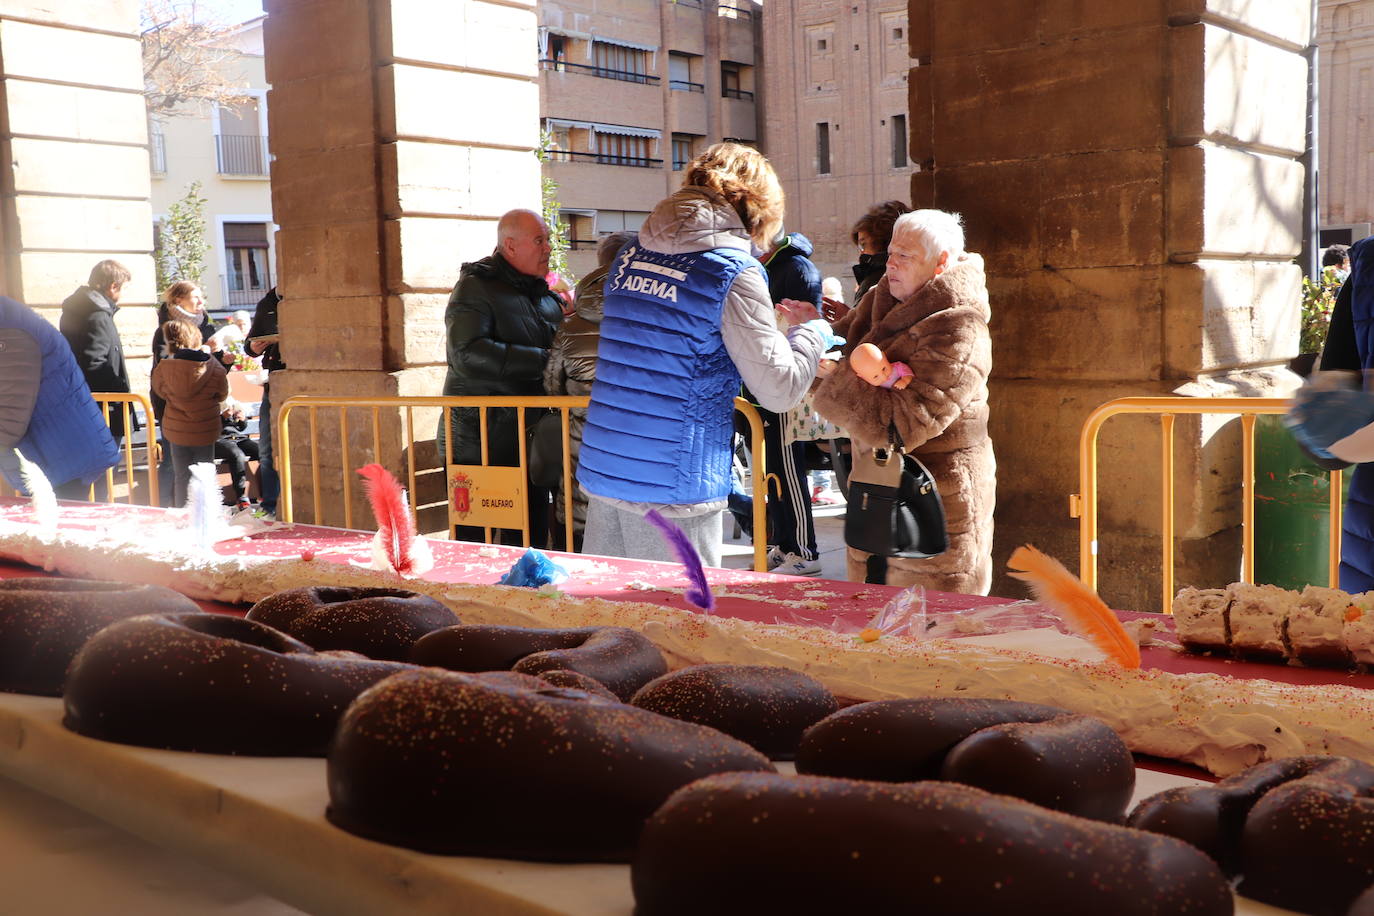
700,593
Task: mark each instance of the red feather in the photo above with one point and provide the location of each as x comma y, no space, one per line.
1079,605
389,505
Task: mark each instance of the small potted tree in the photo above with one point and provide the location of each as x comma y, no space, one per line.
1318,301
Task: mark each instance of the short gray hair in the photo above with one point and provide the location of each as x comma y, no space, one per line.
938,231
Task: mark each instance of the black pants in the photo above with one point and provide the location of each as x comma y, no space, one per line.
791,527
237,452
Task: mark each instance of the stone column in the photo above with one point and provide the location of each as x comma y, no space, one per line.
1130,172
74,178
401,130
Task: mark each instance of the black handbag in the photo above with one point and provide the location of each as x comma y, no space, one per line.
894,506
545,450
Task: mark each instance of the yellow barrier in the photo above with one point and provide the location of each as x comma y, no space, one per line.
105,399
1083,505
281,453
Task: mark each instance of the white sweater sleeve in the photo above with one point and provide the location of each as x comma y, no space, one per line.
776,368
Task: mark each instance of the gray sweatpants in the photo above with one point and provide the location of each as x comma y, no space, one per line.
616,532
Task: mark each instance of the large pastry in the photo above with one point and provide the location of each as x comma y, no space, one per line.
43,622
749,843
211,683
765,706
1042,754
377,622
1299,832
466,765
1214,720
617,657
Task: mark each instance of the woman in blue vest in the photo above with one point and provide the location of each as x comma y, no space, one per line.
687,316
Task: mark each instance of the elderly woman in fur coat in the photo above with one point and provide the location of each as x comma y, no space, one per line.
930,311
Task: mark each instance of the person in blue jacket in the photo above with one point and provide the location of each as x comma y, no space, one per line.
46,409
688,316
1334,421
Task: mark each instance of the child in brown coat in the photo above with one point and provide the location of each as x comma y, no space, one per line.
193,384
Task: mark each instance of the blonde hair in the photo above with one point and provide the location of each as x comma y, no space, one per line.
747,181
178,290
181,335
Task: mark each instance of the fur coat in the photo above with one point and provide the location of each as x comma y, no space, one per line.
941,332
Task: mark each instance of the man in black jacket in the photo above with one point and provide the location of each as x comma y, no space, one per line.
501,319
88,324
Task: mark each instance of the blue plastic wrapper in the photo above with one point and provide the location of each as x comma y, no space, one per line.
533,570
829,339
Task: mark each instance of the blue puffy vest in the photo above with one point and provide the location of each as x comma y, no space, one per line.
661,416
1357,536
67,436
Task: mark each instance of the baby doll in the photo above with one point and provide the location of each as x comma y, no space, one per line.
869,364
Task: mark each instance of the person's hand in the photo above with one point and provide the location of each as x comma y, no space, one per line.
797,312
825,368
833,309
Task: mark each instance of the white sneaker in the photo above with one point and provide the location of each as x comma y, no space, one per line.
793,565
775,555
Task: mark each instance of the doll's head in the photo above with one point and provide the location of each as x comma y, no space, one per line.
869,364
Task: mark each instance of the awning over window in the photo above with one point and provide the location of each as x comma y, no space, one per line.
245,235
624,44
626,131
621,129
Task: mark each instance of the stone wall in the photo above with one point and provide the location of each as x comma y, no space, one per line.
74,159
1129,169
402,130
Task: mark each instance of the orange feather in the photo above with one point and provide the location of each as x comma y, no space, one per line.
1077,604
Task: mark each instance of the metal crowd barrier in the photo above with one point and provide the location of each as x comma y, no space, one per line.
312,404
127,443
1083,505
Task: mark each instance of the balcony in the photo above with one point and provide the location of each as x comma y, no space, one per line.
560,155
685,86
627,76
730,11
241,154
744,95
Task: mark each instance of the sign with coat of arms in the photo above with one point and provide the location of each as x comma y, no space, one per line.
486,497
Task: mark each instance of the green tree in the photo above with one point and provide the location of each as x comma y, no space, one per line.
558,236
182,244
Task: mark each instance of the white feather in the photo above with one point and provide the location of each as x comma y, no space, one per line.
203,504
40,492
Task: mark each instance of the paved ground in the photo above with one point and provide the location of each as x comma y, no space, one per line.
738,552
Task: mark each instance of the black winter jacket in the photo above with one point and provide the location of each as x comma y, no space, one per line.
88,325
791,275
265,325
500,325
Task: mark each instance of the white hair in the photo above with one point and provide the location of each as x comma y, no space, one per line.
936,230
831,288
